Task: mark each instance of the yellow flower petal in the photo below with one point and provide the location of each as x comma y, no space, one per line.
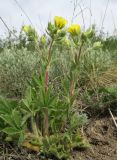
26,28
60,22
74,29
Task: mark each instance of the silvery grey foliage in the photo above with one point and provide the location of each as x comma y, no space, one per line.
16,68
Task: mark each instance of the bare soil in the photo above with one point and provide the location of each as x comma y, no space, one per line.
101,134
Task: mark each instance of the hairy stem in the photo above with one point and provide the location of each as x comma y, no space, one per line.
80,51
49,51
46,80
34,127
46,122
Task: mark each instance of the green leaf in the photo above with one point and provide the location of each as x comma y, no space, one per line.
2,125
29,95
11,131
16,115
6,106
41,98
7,118
25,118
26,106
21,138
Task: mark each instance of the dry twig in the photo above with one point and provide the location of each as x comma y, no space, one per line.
115,123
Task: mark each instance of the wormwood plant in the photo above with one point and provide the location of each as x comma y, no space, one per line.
16,67
45,120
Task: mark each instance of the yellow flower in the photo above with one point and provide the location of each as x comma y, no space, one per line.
26,29
74,29
60,22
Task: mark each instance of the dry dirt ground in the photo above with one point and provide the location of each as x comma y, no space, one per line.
101,134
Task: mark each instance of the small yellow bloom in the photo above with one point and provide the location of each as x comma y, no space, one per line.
74,29
26,29
60,22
